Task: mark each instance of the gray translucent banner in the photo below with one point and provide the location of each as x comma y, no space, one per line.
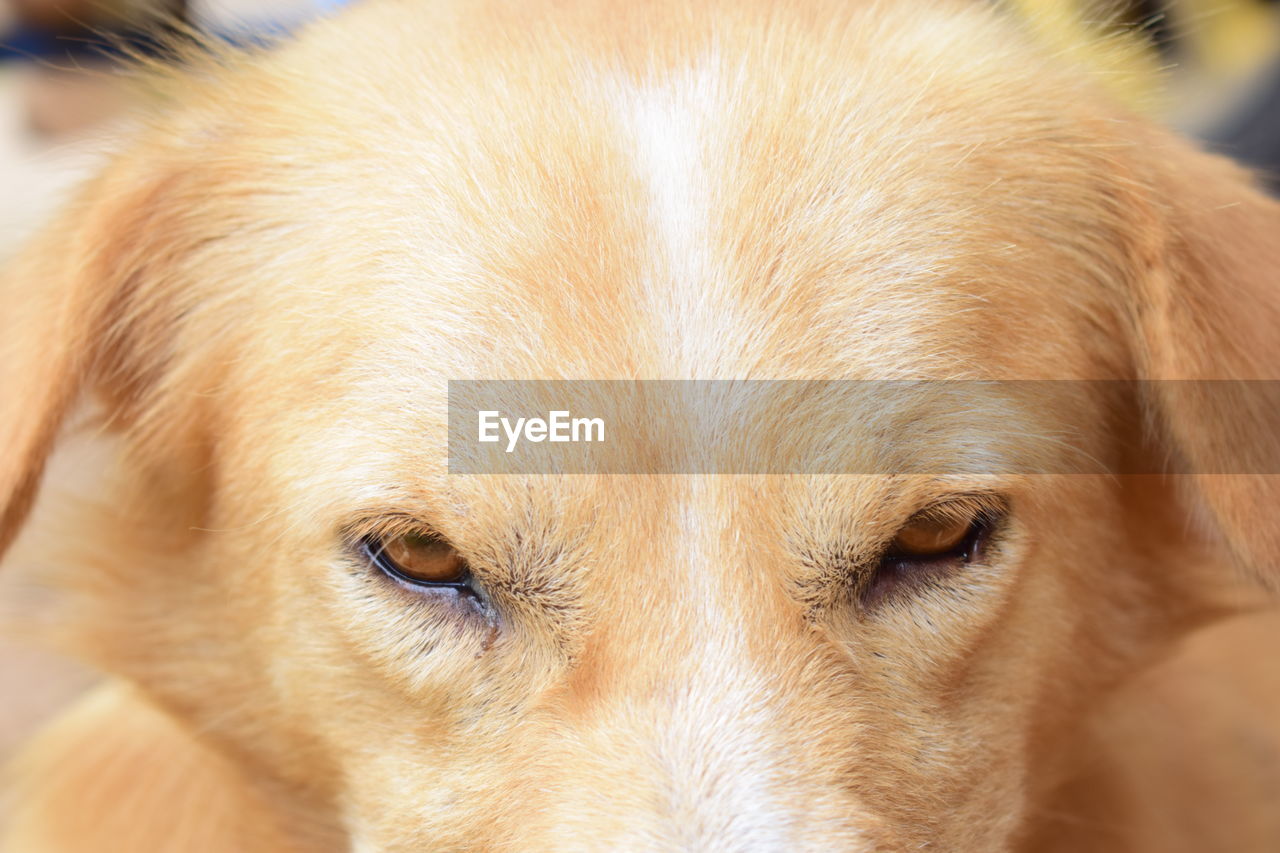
864,427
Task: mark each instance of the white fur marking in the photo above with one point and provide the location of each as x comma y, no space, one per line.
673,125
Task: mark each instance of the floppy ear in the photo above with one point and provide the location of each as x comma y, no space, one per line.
1207,309
82,308
39,375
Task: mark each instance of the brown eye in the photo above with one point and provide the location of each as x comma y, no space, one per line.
931,544
420,559
926,537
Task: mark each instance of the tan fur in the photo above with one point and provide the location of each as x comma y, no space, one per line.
264,294
117,774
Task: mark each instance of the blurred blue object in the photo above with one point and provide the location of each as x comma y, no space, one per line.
28,44
25,43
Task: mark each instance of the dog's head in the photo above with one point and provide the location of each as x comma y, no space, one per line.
265,295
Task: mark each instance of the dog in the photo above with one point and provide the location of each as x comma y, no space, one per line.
320,638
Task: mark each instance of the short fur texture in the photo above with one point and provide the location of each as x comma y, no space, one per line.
263,296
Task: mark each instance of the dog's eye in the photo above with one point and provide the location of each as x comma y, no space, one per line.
420,559
925,537
932,542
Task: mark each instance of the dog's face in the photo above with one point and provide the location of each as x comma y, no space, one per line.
268,295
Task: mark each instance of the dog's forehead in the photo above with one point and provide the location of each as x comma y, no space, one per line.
857,205
838,201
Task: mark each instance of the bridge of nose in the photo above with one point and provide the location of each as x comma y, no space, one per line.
700,740
690,599
697,674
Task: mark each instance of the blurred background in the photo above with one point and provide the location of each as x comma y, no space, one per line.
61,94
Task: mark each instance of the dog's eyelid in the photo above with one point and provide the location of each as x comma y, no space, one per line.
962,505
387,525
961,508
